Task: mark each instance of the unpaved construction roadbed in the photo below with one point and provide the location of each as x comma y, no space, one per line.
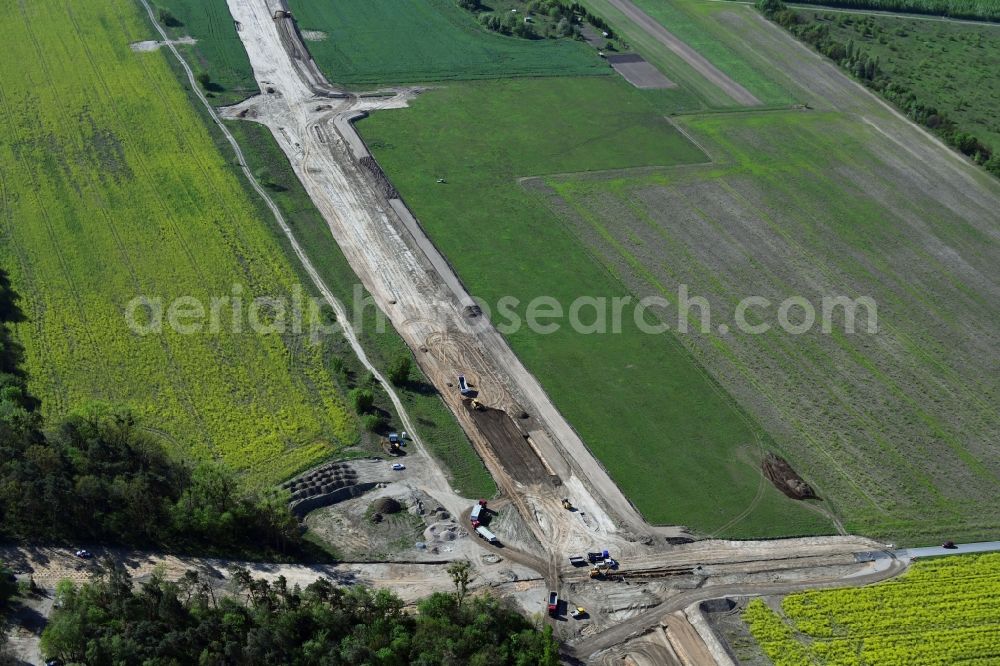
512,448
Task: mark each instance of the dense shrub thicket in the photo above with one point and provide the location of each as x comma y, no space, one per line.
539,18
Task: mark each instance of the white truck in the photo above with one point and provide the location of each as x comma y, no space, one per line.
486,534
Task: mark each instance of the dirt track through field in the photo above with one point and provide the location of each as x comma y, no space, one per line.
697,61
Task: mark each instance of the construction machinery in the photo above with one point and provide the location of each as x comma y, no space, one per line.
567,504
476,514
391,446
600,571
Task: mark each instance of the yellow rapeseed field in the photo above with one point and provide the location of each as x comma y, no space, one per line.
942,611
110,188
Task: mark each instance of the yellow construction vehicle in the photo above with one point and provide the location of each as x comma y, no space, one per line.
599,571
567,504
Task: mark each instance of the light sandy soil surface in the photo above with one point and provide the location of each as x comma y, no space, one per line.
697,61
152,44
410,580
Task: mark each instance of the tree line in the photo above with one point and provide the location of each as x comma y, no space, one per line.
99,476
987,10
109,621
563,17
8,588
866,69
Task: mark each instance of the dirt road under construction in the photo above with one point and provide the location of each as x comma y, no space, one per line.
529,448
532,452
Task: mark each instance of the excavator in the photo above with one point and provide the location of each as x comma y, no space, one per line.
474,403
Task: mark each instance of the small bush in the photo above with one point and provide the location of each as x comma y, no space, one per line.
399,371
373,422
168,19
363,400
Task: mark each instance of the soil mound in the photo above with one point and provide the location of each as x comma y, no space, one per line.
785,479
386,506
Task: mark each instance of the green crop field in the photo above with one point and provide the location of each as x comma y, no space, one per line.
942,611
217,51
579,186
110,188
888,427
369,42
220,53
666,432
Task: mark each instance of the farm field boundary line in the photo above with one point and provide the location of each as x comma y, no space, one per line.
318,282
601,174
871,94
441,431
737,198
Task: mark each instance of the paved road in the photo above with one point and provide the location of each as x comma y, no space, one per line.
937,551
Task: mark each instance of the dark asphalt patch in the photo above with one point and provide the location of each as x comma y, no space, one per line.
639,72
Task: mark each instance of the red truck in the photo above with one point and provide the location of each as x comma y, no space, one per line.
553,603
